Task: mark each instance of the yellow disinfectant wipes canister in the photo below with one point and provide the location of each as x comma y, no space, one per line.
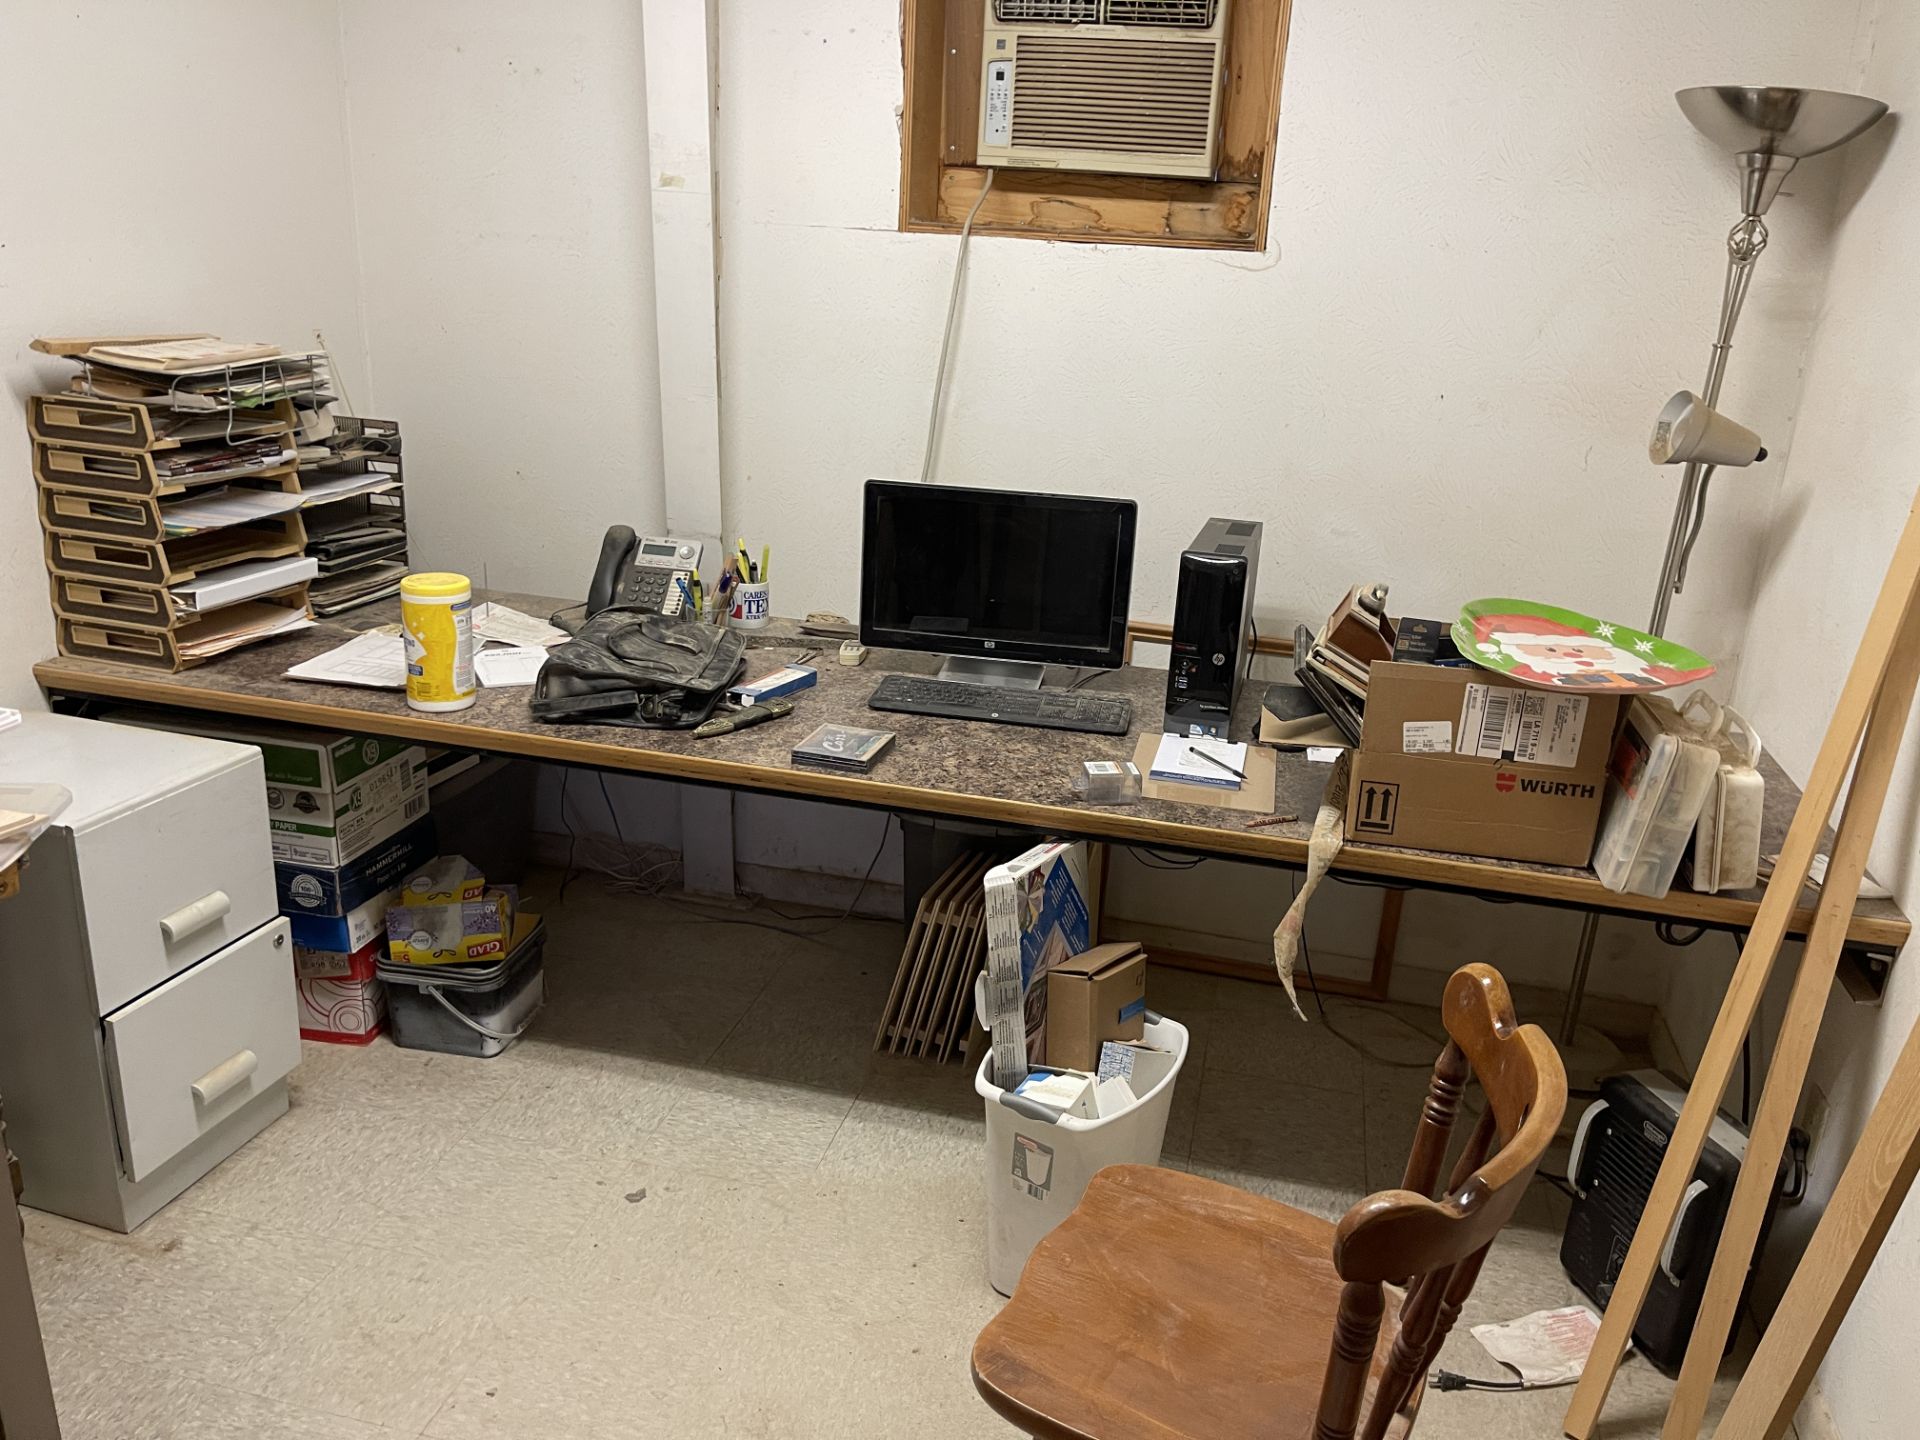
436,611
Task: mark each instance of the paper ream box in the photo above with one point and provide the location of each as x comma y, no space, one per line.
341,999
318,890
343,934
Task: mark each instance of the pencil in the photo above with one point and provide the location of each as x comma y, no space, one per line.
1216,760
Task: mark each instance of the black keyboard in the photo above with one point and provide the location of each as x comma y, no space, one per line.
955,700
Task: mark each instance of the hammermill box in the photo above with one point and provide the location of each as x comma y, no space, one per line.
1456,759
331,797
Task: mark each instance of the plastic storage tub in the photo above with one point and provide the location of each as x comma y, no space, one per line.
1039,1163
476,1010
1657,782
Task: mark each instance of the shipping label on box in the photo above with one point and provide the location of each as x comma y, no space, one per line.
1036,913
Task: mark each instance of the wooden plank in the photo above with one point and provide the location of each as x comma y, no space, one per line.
1887,621
1054,205
1154,633
940,179
1386,943
1753,1191
1852,1227
1250,102
960,138
95,679
922,36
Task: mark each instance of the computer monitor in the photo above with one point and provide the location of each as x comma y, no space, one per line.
995,576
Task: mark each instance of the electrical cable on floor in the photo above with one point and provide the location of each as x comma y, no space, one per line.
1448,1380
946,336
1360,1049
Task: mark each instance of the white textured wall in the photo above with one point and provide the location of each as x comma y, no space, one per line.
1496,249
164,167
500,177
1855,467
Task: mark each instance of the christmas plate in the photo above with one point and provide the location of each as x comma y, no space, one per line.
1557,649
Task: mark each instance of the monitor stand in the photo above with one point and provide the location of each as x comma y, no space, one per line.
1008,674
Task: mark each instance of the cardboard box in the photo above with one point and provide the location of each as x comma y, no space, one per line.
1457,760
1036,916
331,796
341,999
1141,1066
325,890
1093,997
344,934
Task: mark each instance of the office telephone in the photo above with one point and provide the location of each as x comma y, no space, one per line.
642,570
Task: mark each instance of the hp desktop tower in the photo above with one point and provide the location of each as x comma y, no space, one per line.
1212,627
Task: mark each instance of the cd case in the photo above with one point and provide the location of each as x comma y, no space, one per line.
843,747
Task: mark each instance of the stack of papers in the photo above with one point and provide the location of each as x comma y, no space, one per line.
512,627
221,506
236,625
374,660
1196,760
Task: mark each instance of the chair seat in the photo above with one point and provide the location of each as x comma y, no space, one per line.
1168,1305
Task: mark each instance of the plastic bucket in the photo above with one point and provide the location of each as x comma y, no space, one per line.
1039,1162
476,1010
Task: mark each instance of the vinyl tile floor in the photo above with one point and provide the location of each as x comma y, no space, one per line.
693,1203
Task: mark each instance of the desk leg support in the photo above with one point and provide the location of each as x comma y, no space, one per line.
706,840
1577,982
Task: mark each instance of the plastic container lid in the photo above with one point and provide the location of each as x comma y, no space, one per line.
435,585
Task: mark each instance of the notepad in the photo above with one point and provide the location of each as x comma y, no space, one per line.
1175,761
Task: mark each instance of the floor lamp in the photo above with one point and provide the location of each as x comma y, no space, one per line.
1768,129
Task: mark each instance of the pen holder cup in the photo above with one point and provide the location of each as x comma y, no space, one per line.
751,607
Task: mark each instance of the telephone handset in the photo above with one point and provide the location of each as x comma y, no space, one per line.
641,570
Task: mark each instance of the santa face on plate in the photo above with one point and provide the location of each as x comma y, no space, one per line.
1548,653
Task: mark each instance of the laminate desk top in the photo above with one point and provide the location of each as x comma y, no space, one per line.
1008,774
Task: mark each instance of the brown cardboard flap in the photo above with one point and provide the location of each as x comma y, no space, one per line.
1102,957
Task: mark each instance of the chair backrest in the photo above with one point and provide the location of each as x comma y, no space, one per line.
1435,1247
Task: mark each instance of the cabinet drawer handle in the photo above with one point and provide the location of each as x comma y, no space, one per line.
189,919
224,1076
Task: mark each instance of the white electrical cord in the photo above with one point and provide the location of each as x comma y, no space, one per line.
946,337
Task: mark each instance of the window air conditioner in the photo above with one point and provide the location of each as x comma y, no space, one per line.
1116,86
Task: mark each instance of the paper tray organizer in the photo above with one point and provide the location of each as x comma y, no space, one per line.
168,649
110,563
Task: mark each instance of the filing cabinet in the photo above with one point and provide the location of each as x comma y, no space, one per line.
147,1012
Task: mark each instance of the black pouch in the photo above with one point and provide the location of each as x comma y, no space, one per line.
631,666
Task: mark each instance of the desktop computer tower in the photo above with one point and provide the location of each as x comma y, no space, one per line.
1212,627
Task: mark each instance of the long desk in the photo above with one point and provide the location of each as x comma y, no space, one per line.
1003,774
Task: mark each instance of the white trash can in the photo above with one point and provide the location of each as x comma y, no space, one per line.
1039,1162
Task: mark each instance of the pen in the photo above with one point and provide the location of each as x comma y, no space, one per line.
766,555
699,595
746,565
1216,760
692,608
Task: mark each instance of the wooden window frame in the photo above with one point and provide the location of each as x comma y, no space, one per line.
939,135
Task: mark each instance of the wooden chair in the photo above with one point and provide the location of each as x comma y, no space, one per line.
1168,1305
